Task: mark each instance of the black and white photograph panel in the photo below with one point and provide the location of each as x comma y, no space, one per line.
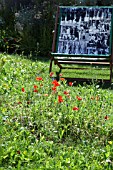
85,30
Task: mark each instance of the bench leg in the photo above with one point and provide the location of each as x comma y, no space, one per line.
57,75
111,67
57,63
111,72
50,68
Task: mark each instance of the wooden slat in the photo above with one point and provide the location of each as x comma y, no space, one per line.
81,59
83,62
78,55
82,68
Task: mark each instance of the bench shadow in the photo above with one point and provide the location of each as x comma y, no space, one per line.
103,83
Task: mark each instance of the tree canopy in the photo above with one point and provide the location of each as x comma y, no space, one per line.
31,22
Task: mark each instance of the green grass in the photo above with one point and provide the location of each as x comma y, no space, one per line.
70,128
91,72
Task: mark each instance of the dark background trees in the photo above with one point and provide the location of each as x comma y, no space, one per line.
26,25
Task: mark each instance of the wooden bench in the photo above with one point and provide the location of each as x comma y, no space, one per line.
83,36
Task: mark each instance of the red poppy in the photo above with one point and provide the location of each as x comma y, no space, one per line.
79,98
23,90
75,108
60,74
35,90
51,74
70,83
106,117
66,92
54,88
62,79
35,86
60,99
39,78
55,83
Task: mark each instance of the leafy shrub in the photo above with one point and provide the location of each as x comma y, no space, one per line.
8,43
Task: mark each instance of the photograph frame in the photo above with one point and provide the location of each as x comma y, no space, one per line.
84,31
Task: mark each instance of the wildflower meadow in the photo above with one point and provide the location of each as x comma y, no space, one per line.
47,124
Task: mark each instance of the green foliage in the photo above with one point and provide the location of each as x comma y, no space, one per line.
45,124
27,42
8,42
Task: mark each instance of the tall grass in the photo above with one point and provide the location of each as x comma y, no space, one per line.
51,125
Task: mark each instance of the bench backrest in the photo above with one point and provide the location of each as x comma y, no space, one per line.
83,32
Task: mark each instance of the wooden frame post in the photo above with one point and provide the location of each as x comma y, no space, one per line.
54,39
111,65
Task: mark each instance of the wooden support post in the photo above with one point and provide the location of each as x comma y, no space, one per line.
55,31
50,68
111,65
